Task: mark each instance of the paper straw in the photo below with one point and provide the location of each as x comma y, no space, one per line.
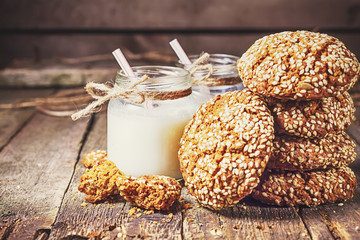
125,66
120,58
180,52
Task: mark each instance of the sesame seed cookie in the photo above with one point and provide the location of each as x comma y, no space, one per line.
306,188
312,119
298,65
149,191
99,182
225,148
301,154
95,157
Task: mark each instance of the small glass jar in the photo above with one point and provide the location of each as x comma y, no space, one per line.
144,139
225,76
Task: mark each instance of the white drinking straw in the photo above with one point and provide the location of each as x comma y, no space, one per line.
120,58
125,66
180,52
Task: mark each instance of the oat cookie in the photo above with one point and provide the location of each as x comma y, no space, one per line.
312,119
301,154
306,188
298,65
95,157
99,182
149,191
225,148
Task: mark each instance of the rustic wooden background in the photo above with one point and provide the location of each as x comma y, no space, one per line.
41,31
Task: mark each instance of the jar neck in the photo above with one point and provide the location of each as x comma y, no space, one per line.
163,82
223,65
224,71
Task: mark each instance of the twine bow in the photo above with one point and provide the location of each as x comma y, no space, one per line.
103,93
197,66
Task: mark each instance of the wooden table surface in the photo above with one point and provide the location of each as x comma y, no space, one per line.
40,172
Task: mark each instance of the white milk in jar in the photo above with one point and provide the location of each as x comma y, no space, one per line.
143,139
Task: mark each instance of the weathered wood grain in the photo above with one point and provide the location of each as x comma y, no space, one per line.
12,120
35,169
44,47
37,164
54,77
248,221
109,219
342,220
315,224
48,72
186,14
159,225
75,219
243,221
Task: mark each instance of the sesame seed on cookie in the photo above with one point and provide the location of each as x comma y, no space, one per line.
314,118
301,154
225,148
298,65
149,191
306,188
95,157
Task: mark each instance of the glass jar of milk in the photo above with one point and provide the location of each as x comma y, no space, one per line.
143,139
225,76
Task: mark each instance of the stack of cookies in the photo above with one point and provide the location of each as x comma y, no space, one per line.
282,139
303,77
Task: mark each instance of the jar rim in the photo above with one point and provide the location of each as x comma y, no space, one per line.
160,79
151,70
215,59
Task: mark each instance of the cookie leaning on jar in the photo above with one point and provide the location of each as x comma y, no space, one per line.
304,77
225,148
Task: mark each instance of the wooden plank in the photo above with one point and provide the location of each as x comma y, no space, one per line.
45,47
187,14
54,77
35,169
342,220
75,220
159,225
109,219
315,224
48,72
339,220
12,120
250,220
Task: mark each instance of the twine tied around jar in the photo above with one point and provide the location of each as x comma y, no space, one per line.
198,66
103,93
208,79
